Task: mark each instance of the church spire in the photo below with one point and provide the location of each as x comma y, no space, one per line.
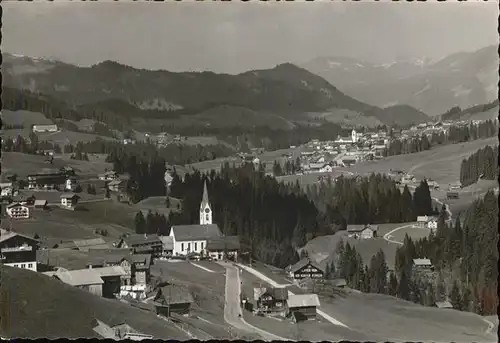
204,199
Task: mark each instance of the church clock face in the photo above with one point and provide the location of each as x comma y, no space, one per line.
207,210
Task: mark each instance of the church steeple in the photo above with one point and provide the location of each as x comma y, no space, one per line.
205,210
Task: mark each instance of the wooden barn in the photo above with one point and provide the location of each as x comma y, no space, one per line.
173,299
302,306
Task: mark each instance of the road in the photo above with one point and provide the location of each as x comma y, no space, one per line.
232,308
277,285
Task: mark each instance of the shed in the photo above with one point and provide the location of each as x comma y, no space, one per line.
173,299
85,279
41,204
112,277
303,306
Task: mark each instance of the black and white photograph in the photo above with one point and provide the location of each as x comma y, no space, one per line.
259,170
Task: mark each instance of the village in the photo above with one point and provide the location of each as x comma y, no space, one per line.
122,270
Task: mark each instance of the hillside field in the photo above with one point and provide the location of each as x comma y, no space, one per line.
397,320
35,305
441,164
25,164
24,118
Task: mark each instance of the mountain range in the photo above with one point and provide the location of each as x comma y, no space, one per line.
463,79
285,95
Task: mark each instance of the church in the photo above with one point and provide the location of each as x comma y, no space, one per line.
204,238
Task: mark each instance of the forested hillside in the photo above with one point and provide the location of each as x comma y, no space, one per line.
483,164
465,256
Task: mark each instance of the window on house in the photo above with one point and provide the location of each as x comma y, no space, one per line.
23,265
189,246
30,265
201,245
195,246
182,246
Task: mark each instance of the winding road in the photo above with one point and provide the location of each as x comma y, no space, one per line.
232,308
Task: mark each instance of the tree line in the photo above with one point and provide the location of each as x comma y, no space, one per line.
455,134
483,164
465,256
287,168
370,200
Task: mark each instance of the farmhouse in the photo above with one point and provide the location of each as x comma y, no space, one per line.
69,200
45,180
113,260
432,225
17,211
270,299
362,231
85,279
305,268
422,264
173,299
18,250
142,244
302,306
44,128
141,268
223,247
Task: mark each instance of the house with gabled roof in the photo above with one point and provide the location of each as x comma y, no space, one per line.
222,247
69,200
142,244
17,250
302,306
305,268
173,298
85,279
362,231
17,211
270,299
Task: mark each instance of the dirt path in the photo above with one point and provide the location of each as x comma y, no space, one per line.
232,309
388,234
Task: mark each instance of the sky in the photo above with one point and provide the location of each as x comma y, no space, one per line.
233,37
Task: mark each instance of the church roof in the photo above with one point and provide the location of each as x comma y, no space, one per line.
195,232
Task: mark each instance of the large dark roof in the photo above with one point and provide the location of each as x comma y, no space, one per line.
224,242
302,263
195,232
174,294
136,239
